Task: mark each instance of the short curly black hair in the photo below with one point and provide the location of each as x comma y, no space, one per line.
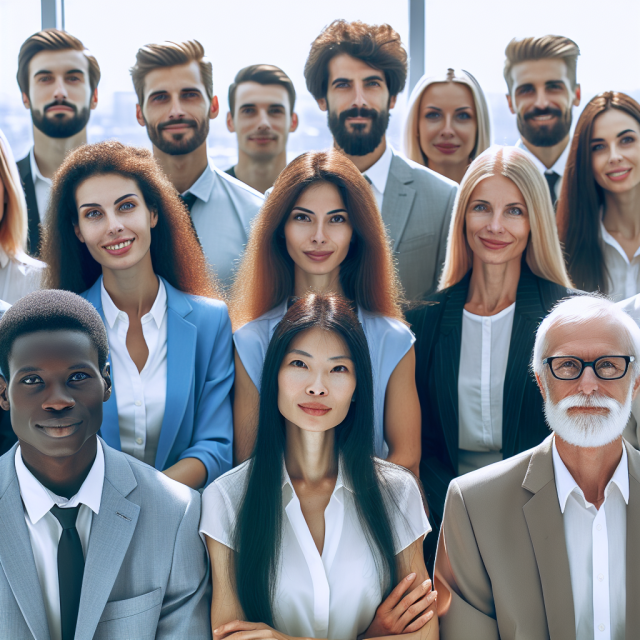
51,310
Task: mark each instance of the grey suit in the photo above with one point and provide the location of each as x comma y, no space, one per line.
146,570
416,210
502,568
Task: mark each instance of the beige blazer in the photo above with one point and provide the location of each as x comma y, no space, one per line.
502,569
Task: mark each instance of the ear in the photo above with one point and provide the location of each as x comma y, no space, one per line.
294,122
76,230
139,116
541,387
106,378
576,100
4,397
322,103
25,101
510,103
636,386
392,101
94,99
214,109
154,218
230,126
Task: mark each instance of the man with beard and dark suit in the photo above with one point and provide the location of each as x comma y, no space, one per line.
355,72
58,79
541,78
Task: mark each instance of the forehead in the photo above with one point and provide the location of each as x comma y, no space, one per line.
261,94
48,350
346,66
58,61
538,72
497,188
447,94
612,122
105,189
182,76
321,195
320,343
589,339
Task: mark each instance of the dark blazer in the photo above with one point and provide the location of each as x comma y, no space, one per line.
7,437
438,329
24,167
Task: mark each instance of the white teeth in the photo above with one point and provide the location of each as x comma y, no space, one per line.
616,174
122,245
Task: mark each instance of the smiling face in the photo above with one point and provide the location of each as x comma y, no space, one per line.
114,221
615,151
316,381
318,232
497,221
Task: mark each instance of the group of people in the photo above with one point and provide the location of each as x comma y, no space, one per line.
357,357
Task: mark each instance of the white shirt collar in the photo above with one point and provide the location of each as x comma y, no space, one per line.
38,500
379,172
288,488
203,186
35,170
611,241
559,165
4,258
112,313
565,484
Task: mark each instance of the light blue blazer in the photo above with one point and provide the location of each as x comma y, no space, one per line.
197,421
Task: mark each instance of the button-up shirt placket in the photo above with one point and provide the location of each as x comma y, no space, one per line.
485,382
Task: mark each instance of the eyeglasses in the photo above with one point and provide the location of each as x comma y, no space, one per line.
605,367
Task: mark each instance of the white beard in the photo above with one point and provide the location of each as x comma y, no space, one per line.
584,430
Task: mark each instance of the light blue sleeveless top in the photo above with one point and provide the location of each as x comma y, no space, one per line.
389,341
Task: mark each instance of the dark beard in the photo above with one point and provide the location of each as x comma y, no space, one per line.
60,126
179,144
357,142
545,136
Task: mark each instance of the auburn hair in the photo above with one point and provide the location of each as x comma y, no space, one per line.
176,254
368,277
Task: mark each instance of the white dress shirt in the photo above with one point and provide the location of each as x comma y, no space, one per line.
41,185
558,166
140,395
596,542
379,173
333,594
45,530
18,276
624,274
484,352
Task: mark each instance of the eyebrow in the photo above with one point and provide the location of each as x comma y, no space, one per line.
430,106
617,136
374,77
329,213
80,365
95,204
27,369
308,355
253,104
511,204
46,71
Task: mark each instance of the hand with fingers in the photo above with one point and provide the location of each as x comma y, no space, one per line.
241,630
400,613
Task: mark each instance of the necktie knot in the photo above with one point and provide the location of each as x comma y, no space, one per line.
552,178
66,517
189,199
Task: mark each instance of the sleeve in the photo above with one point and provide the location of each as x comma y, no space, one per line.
393,343
251,351
218,516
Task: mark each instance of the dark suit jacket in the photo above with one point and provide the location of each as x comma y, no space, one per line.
7,437
438,329
24,167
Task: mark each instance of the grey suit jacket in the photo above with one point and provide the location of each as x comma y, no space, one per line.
416,210
502,568
146,570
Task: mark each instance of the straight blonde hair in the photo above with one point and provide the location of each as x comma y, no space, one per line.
13,226
411,134
543,252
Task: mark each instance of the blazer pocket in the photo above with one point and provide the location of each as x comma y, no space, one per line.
416,242
132,618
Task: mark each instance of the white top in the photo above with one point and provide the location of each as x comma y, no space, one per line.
596,542
18,276
484,352
624,275
41,185
331,595
140,395
379,173
45,530
558,166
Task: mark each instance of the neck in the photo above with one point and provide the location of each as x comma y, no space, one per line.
323,283
547,155
310,456
63,476
260,173
622,212
50,152
592,467
493,287
183,170
454,172
366,162
133,290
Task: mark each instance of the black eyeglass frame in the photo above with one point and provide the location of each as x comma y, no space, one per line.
592,364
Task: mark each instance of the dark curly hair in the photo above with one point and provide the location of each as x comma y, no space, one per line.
176,254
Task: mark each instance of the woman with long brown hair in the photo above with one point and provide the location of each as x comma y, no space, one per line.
118,234
320,230
599,206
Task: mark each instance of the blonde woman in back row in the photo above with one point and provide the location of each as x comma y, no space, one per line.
448,123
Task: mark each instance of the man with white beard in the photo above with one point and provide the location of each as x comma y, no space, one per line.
545,544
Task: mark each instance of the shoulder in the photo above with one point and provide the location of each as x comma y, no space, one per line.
428,309
238,188
553,292
30,264
400,481
258,329
231,485
381,326
424,177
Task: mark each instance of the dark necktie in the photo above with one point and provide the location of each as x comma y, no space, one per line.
189,200
70,569
552,179
367,178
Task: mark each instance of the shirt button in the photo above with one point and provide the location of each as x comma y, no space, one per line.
601,627
138,403
599,527
139,440
600,577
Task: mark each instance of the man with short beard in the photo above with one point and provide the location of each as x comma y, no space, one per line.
174,85
541,78
355,71
545,544
58,79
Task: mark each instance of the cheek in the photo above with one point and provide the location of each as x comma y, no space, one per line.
519,229
341,235
428,129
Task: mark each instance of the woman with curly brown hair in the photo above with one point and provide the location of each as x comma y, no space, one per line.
320,230
118,234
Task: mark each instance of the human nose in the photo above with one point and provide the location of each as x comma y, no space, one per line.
359,99
58,398
447,129
615,157
588,382
115,224
495,223
60,90
176,111
317,387
542,101
319,236
263,122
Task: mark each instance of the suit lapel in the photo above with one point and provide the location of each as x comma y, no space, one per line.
632,621
33,215
398,200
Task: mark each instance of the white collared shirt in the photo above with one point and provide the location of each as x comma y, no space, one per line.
140,395
379,173
18,276
624,274
596,542
558,166
41,185
331,595
45,530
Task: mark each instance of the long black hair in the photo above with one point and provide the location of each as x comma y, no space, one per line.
258,531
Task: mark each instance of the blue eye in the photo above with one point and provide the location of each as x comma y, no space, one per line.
432,115
464,116
515,211
93,213
597,147
479,207
127,206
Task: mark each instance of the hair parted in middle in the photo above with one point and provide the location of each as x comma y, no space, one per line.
265,277
379,46
543,253
262,74
170,54
176,254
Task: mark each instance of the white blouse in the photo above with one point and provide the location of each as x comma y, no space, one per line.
18,276
624,274
484,352
331,595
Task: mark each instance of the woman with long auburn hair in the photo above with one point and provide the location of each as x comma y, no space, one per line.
320,230
118,234
599,206
312,537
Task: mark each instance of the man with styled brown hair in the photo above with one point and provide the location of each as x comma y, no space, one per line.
541,77
58,79
355,71
174,85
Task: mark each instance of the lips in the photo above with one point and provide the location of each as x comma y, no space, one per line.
315,408
494,244
118,248
618,174
58,429
318,256
447,148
